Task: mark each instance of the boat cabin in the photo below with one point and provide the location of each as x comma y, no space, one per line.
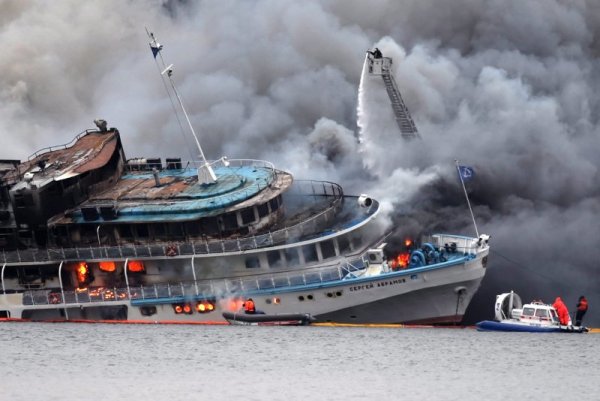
536,312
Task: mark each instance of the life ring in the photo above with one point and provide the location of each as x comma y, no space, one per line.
53,298
171,250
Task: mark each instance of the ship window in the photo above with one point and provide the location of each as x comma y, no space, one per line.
230,221
310,253
142,231
356,240
344,244
274,258
263,210
541,313
192,228
209,226
274,204
252,262
292,257
148,310
175,229
528,311
158,229
327,249
125,231
247,216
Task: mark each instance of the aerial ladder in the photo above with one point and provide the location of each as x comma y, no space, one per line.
381,66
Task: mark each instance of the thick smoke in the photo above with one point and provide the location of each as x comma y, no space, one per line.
508,87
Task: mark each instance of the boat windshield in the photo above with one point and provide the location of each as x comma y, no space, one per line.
542,313
528,311
553,315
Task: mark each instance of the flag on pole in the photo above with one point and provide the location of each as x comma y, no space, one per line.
466,172
156,47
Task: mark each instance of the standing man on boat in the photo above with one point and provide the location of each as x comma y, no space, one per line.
582,307
562,311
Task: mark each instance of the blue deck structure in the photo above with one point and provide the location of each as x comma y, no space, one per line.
235,185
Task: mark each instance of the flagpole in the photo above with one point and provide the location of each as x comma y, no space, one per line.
467,197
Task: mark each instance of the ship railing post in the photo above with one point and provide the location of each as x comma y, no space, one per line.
321,275
2,278
194,274
19,255
223,246
156,291
127,279
62,289
182,288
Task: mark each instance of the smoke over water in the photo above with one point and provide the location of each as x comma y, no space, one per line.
510,88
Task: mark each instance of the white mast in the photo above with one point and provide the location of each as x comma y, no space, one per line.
206,174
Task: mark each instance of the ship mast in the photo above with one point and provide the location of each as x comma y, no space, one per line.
206,174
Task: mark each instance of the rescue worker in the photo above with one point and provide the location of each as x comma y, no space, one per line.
249,306
582,307
562,311
375,53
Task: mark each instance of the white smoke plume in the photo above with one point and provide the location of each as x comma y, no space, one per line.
508,87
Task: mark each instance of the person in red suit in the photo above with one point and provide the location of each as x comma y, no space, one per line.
563,312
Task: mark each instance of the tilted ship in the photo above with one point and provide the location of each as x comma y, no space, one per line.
89,235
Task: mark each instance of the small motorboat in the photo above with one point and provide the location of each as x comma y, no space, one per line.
534,317
261,319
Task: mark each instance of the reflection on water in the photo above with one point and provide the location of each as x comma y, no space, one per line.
139,362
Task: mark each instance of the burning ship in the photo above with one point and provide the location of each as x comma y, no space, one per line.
89,235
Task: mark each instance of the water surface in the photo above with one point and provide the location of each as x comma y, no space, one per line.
65,361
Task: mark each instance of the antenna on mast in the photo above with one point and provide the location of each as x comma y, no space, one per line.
206,174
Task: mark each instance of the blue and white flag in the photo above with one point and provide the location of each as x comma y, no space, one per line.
156,47
466,172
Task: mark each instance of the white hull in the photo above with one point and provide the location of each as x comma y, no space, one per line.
429,294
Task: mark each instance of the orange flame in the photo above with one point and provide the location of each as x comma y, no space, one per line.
82,272
135,266
400,261
107,266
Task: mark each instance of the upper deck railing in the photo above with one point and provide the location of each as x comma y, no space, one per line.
60,147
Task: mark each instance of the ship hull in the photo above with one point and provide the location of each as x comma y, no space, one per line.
436,294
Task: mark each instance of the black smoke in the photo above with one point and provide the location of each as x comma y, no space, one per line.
507,87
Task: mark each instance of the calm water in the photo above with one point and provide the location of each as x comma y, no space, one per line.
138,362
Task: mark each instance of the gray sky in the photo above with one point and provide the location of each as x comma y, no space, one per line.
509,87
